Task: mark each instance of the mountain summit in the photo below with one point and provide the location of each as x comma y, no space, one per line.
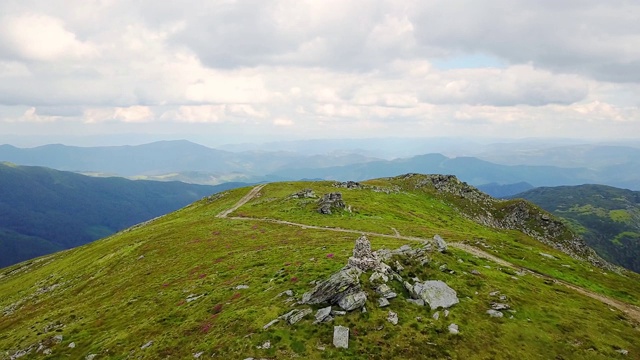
411,267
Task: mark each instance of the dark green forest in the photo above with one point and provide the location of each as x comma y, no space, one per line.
607,218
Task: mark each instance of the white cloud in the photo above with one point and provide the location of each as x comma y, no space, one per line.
324,66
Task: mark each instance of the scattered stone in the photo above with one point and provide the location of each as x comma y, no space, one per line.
623,352
58,339
288,293
382,302
364,310
460,261
377,277
443,267
436,293
90,357
140,257
265,345
436,315
453,329
72,345
329,202
446,313
353,301
503,297
475,272
348,185
242,287
146,345
418,302
440,243
296,315
341,337
494,293
495,313
548,256
392,318
303,194
47,352
270,323
398,266
499,306
194,297
386,291
323,313
197,355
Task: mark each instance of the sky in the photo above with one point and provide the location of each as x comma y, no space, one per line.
224,71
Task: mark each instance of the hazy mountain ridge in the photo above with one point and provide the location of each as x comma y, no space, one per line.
533,162
205,281
44,210
607,218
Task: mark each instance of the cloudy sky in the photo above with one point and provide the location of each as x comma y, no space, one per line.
255,70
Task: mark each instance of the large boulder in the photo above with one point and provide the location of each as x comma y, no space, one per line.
436,294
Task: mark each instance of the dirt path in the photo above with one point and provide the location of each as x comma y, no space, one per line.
632,311
242,201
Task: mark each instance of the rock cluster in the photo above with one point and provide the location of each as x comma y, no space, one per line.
330,202
304,194
348,185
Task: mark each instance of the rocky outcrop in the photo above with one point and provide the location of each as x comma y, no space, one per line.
331,202
340,285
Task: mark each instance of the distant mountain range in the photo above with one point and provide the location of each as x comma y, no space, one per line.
530,163
44,210
607,218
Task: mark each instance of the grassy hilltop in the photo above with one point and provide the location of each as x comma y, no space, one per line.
193,284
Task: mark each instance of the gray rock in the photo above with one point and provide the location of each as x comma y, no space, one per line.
334,289
386,291
265,345
443,267
446,313
323,313
475,272
288,293
338,313
392,318
382,302
329,202
72,345
146,345
297,315
353,301
270,323
436,293
453,329
440,243
495,313
499,306
198,354
58,339
436,315
303,194
398,266
418,302
241,287
47,352
90,357
377,277
363,258
341,337
494,293
623,351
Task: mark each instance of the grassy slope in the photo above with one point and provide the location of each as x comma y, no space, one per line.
116,294
43,210
608,218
